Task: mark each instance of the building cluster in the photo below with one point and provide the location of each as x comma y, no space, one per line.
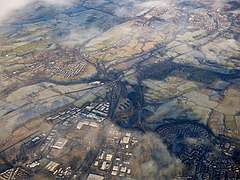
66,70
114,159
58,170
202,21
191,150
228,148
14,173
90,115
34,141
65,116
60,143
86,123
66,67
96,110
33,164
213,161
48,143
172,132
125,105
217,167
192,153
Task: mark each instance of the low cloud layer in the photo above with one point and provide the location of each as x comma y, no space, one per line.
131,8
9,7
154,160
78,36
126,7
151,157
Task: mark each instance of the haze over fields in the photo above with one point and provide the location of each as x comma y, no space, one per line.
109,89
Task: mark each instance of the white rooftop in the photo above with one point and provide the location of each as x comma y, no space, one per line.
80,124
95,177
60,143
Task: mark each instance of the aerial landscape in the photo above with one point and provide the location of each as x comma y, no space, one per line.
120,89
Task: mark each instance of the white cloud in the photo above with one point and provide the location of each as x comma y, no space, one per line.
130,8
78,36
154,160
127,8
65,3
124,12
151,4
9,7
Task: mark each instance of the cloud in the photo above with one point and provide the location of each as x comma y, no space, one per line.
8,8
124,12
131,8
158,3
124,8
78,36
151,157
154,160
65,3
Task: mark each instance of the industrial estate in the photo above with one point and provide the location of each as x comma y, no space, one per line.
132,89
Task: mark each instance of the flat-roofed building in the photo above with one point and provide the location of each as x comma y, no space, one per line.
60,143
109,157
114,173
115,168
95,177
123,169
51,166
125,140
104,165
81,124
